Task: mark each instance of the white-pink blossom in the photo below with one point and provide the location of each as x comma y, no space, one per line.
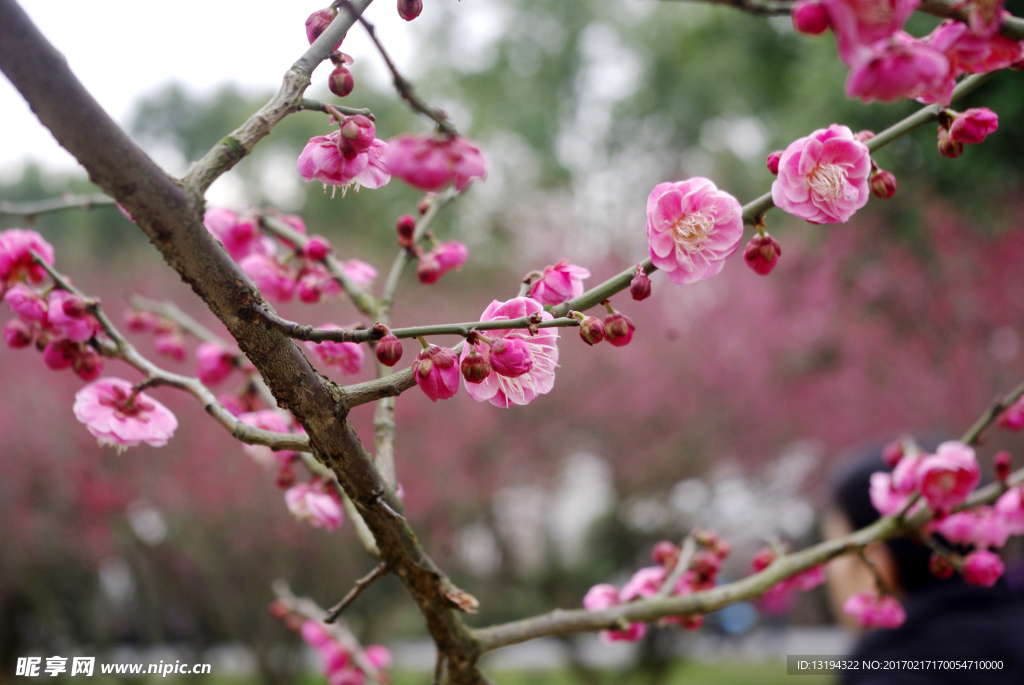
121,417
309,502
346,357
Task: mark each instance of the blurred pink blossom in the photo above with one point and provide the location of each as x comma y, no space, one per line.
872,611
430,162
309,502
240,237
214,363
346,357
982,568
275,280
605,596
445,257
16,258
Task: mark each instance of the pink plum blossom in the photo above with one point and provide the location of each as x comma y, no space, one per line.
445,257
862,23
1013,417
268,420
346,357
971,53
823,177
605,596
947,477
511,357
430,162
28,303
646,582
437,373
361,273
18,334
1010,507
60,354
504,391
118,416
560,282
884,497
67,315
982,568
973,126
323,160
240,237
872,611
171,344
16,262
214,363
275,280
692,226
309,502
981,527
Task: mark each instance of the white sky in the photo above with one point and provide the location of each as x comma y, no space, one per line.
124,49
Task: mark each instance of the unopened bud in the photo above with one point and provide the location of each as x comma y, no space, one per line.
592,330
389,350
892,453
88,365
409,9
949,148
17,334
1002,466
318,22
74,306
762,253
475,368
809,17
340,81
358,132
618,329
640,286
665,554
406,228
773,162
883,184
285,477
308,289
425,203
317,248
940,566
428,270
763,558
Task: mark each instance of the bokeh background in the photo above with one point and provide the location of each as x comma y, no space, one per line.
730,409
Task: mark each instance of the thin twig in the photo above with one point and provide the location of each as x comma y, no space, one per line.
379,571
33,209
689,546
176,314
310,105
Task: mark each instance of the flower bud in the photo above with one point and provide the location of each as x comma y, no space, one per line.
88,365
317,248
762,253
947,147
340,81
139,320
428,270
389,350
409,9
940,566
883,184
406,228
618,329
60,354
665,554
1002,466
511,357
475,368
318,22
773,162
763,559
308,289
592,330
74,306
892,453
809,17
171,344
436,372
17,334
285,477
973,126
982,568
640,286
863,136
425,203
358,132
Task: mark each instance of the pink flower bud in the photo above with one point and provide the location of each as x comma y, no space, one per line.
948,147
285,477
428,270
425,203
665,554
308,289
640,286
409,9
883,184
318,22
773,162
439,261
972,126
1002,466
139,320
436,372
1013,418
559,283
60,354
358,133
618,329
592,330
340,81
763,559
405,227
214,363
809,17
982,568
27,303
317,248
88,365
17,334
510,357
940,566
389,350
74,306
475,368
892,453
171,345
762,253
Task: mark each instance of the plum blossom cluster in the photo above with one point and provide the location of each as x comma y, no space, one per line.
348,158
780,596
58,323
301,273
338,657
888,64
315,502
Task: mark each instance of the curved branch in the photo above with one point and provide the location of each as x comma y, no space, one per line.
31,210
